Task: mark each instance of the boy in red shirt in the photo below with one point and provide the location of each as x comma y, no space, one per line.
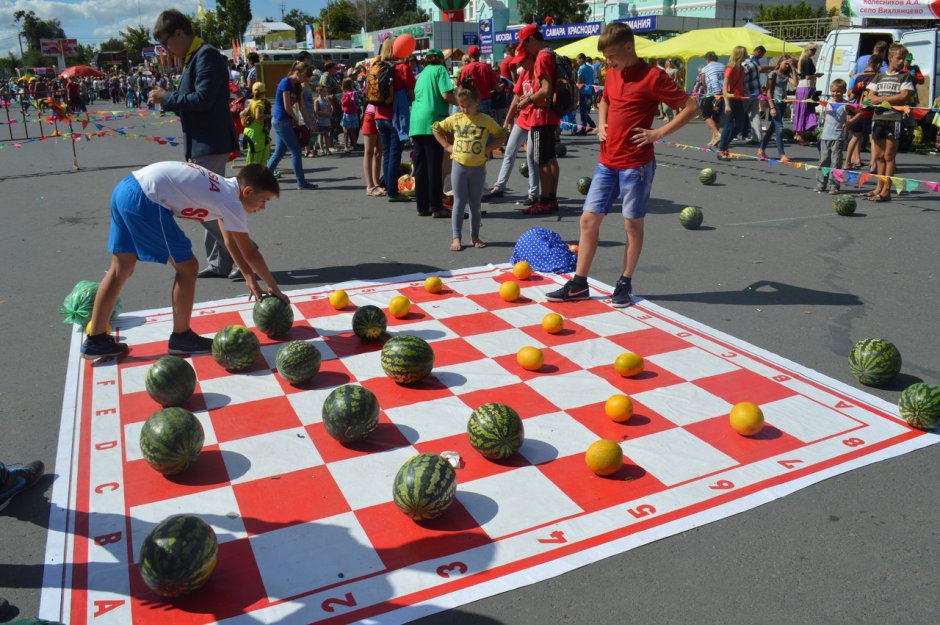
632,95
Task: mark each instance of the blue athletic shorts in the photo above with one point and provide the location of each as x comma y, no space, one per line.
141,226
633,185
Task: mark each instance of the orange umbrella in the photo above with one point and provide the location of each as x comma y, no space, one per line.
82,71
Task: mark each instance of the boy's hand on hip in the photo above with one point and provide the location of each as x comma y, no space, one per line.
644,136
602,132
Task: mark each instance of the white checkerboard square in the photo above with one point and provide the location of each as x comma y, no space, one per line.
684,403
367,480
153,332
308,405
692,363
676,455
570,390
331,325
806,420
236,389
591,352
364,366
269,352
475,286
269,454
523,316
502,342
451,307
217,507
552,436
478,375
430,330
536,500
294,559
379,297
610,323
132,436
430,420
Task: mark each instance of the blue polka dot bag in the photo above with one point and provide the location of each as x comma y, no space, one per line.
545,250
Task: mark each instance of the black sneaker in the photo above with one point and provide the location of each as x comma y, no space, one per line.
569,293
492,194
529,201
623,294
102,345
188,342
19,477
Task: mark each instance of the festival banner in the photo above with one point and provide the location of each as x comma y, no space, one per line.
892,9
485,34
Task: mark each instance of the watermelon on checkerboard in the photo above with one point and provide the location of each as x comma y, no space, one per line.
425,486
178,556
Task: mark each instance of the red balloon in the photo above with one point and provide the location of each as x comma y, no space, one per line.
404,45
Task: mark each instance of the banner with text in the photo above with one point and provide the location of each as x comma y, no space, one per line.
893,9
485,33
579,31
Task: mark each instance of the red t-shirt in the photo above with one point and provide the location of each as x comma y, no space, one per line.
633,96
483,77
544,69
735,77
505,67
404,78
524,86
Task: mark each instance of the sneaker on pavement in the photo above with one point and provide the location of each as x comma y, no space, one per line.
102,345
623,294
571,292
529,201
19,477
188,342
492,194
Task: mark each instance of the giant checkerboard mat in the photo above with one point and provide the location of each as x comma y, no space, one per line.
307,529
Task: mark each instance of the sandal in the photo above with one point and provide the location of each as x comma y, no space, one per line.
535,209
880,198
478,243
761,154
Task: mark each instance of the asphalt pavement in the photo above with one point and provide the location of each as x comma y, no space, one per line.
773,265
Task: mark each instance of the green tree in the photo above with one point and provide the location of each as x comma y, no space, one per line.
10,63
390,13
562,11
211,30
344,19
34,28
298,19
85,56
136,39
785,12
112,45
234,17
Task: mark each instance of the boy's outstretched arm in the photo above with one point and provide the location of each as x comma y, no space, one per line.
250,262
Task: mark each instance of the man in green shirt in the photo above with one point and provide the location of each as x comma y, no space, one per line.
434,91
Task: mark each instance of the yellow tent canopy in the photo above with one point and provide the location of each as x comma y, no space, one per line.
720,40
588,47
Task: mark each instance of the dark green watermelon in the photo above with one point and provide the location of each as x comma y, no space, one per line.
298,361
561,150
407,359
495,430
170,381
707,176
369,322
691,217
273,316
584,185
524,168
844,205
920,405
235,347
350,413
425,486
178,556
171,440
875,361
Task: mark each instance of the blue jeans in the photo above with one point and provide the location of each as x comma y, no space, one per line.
285,140
391,155
775,128
735,122
632,186
584,106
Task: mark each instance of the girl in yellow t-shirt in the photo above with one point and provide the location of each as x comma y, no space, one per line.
465,136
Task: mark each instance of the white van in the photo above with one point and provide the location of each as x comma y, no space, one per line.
843,47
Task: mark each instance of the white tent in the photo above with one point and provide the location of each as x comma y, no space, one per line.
260,29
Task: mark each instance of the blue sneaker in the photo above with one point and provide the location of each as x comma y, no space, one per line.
188,342
623,294
102,345
18,478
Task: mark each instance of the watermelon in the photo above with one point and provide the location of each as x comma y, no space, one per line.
350,413
235,347
524,169
273,316
407,359
178,556
691,217
171,440
707,176
425,486
170,381
920,405
584,185
844,205
369,322
875,361
560,150
298,361
495,430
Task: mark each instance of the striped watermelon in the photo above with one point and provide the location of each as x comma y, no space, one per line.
235,347
920,405
298,361
844,205
369,323
707,176
691,217
875,361
178,556
170,381
495,430
273,316
350,413
425,486
407,359
171,440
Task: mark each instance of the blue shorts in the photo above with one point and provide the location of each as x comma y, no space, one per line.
141,226
633,185
350,120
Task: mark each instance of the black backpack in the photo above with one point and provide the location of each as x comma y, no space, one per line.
564,98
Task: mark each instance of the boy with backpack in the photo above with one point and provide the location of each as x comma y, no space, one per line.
632,94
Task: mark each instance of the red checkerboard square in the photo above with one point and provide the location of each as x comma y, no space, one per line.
207,321
235,587
519,396
570,333
744,385
208,369
251,418
449,352
474,465
553,363
400,541
769,442
418,294
492,301
535,280
385,437
391,394
143,354
649,342
318,306
650,378
137,407
332,373
288,499
348,344
414,315
144,485
573,310
477,323
594,492
644,421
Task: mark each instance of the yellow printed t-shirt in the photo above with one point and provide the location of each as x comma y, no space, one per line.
470,135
